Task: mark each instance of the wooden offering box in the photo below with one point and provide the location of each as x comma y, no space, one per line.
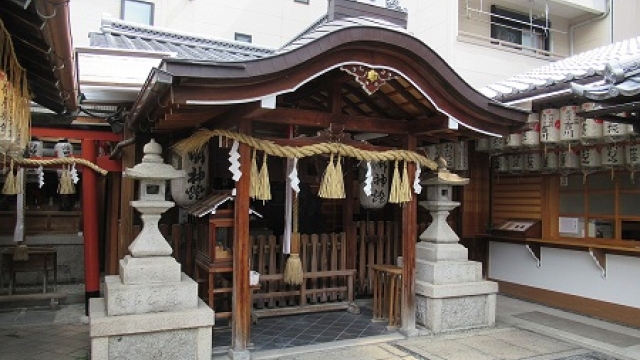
519,228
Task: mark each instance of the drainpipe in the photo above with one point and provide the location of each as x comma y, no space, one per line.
573,27
57,33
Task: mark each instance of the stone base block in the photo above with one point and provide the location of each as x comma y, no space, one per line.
446,272
456,313
155,269
154,336
124,299
439,252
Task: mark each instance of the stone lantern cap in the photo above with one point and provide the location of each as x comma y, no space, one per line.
152,166
444,176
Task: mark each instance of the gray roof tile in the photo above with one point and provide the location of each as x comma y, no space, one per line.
588,64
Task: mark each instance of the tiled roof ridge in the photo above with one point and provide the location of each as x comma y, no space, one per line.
587,64
120,27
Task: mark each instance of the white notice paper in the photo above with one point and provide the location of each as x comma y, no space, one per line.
568,225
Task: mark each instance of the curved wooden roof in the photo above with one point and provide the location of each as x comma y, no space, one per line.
427,96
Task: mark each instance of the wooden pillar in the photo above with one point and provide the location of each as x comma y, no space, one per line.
126,196
241,303
409,239
347,217
114,181
90,224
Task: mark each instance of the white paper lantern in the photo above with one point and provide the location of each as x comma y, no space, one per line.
550,126
632,156
447,152
532,162
379,185
482,145
461,156
590,129
497,144
531,137
612,156
62,149
516,163
513,140
35,148
570,123
432,151
570,160
501,164
187,191
614,132
591,158
550,162
630,130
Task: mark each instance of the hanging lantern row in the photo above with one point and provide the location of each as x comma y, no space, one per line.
555,127
607,156
456,154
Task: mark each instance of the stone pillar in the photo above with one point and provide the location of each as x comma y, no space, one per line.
450,292
151,310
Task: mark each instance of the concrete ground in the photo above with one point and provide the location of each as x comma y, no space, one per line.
523,331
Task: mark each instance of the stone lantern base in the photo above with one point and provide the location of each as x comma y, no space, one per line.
450,292
153,321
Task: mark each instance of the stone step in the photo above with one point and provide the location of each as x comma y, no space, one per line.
437,252
447,272
456,290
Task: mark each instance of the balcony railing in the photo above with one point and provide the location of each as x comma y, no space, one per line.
502,45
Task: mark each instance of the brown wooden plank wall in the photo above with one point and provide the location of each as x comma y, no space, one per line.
516,197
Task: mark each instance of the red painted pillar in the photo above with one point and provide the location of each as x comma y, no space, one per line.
90,221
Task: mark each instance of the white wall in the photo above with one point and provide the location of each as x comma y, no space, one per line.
567,271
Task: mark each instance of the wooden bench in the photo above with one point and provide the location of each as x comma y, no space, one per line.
303,306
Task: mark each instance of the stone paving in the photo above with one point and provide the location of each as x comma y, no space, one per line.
31,334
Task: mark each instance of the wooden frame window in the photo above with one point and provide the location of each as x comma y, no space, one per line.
242,37
510,26
599,206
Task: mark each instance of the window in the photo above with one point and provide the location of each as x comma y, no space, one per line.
243,37
302,1
601,207
520,29
137,11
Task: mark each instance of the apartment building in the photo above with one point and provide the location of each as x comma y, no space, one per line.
484,41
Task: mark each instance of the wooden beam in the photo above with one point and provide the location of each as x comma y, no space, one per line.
125,236
430,125
335,98
407,95
322,120
76,134
357,92
409,239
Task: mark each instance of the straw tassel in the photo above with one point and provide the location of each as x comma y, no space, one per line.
338,181
327,179
66,187
255,182
394,194
293,273
405,189
9,187
264,188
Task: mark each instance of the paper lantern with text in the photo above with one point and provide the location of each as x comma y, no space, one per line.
612,156
461,156
570,124
550,126
513,140
531,136
614,132
532,162
62,149
550,162
501,164
447,152
431,151
379,184
590,128
516,163
591,158
632,156
482,145
188,190
497,144
570,160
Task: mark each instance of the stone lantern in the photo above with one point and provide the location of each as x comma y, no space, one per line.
151,310
450,291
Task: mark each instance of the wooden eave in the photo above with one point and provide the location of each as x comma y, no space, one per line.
427,90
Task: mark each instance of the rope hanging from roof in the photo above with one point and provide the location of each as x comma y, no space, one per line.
61,161
332,186
15,111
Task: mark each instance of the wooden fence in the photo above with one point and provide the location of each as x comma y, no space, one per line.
376,243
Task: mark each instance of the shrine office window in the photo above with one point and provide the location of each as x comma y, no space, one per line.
136,11
528,31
